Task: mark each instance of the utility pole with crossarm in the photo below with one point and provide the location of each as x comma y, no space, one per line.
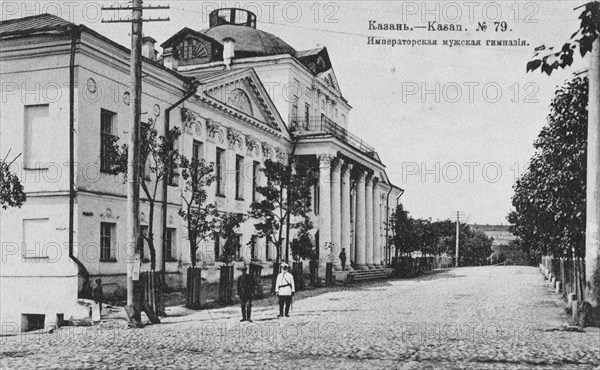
133,169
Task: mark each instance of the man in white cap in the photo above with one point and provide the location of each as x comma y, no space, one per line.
285,288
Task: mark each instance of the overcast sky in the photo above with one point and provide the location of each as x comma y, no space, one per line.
459,147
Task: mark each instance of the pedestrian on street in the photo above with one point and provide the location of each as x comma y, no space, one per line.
98,297
246,288
285,288
343,259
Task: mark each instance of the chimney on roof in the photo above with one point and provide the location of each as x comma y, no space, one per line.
148,48
228,51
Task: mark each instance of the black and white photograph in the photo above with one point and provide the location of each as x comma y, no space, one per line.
309,184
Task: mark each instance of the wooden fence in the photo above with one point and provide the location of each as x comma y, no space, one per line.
150,284
569,271
193,288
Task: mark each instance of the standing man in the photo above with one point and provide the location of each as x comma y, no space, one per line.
343,259
284,288
246,287
98,297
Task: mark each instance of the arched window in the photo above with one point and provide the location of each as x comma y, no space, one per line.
239,99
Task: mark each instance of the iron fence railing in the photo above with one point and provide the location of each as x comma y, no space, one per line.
323,124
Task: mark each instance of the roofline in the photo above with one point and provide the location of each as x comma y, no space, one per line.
70,27
252,72
276,57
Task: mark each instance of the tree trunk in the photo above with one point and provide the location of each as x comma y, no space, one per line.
193,288
297,272
226,285
276,268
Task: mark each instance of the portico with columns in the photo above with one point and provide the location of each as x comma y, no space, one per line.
349,217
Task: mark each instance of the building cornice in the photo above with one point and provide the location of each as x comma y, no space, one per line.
275,59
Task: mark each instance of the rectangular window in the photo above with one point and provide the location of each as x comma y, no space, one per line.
255,177
144,243
253,243
197,150
107,138
238,252
107,238
306,115
173,175
267,254
317,246
220,173
146,167
35,238
316,198
37,132
217,246
239,177
170,244
295,110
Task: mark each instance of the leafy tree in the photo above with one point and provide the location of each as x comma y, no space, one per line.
474,247
161,155
302,245
200,216
444,237
403,235
286,194
438,237
226,226
12,193
582,39
549,198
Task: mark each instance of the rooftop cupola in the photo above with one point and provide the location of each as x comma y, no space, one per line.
232,16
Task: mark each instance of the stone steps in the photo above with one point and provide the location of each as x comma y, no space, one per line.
372,274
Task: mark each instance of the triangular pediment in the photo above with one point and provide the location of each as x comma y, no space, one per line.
242,93
330,80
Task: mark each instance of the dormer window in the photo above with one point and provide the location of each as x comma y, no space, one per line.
191,49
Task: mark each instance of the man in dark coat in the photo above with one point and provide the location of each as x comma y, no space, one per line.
246,288
343,259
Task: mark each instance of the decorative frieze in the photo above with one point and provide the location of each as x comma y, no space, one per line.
268,151
235,139
192,122
215,132
252,146
281,155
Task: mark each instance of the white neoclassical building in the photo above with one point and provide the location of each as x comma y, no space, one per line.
65,90
355,197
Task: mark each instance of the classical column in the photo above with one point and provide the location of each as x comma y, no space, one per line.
336,213
324,207
353,218
361,231
346,225
369,221
376,225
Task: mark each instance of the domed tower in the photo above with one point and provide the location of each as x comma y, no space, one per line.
240,26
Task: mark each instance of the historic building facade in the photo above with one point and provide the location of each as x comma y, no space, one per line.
255,101
354,196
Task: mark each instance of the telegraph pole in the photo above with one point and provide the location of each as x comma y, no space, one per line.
133,155
592,229
457,236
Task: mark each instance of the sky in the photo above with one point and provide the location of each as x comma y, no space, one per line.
453,124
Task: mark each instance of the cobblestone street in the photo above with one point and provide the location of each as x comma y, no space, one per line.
476,318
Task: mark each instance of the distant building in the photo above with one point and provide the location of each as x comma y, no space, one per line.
501,234
503,249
